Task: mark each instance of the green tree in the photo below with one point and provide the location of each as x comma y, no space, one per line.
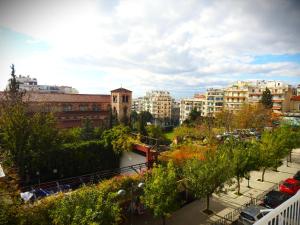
13,95
156,132
87,131
118,138
225,119
243,159
87,206
204,177
267,98
160,191
143,118
271,150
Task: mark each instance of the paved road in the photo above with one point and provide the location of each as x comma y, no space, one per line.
222,204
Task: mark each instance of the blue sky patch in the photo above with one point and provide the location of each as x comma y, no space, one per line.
262,59
13,43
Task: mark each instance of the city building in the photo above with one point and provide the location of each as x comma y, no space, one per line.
175,113
295,104
298,90
280,91
137,104
188,104
236,95
158,103
121,103
213,102
243,92
27,83
70,110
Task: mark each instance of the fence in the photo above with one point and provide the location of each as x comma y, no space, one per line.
75,182
230,217
288,213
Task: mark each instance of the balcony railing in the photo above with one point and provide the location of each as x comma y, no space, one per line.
288,213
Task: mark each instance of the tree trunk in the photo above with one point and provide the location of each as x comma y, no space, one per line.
287,162
164,220
263,175
291,156
207,202
238,185
248,182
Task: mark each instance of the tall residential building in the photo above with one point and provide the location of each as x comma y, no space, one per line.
188,104
298,90
30,84
251,92
213,102
236,95
280,91
159,104
175,112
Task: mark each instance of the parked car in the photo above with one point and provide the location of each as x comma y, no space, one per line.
297,176
274,199
290,186
251,214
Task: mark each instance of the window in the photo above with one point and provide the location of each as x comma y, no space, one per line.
96,108
83,107
115,99
67,108
125,111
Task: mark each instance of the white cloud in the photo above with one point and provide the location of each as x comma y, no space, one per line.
151,43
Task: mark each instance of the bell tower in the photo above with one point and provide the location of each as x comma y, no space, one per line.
121,103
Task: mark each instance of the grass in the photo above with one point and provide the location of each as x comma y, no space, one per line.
170,135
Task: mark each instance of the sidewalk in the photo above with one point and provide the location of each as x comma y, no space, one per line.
223,204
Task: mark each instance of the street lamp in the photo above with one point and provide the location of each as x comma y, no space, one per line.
38,174
122,192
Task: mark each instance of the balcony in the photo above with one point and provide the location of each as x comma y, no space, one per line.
288,213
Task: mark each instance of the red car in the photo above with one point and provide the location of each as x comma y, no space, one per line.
290,186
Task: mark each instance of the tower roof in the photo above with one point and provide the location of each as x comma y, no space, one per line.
120,90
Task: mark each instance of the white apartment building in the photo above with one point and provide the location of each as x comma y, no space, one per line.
27,83
213,102
236,95
188,104
251,92
158,103
280,91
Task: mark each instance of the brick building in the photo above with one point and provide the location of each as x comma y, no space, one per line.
71,109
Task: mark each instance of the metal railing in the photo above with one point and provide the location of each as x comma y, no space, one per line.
75,182
230,217
288,213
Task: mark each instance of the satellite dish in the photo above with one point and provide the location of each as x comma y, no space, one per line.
2,174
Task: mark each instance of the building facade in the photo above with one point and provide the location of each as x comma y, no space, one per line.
295,104
121,100
213,102
70,110
27,83
188,104
236,95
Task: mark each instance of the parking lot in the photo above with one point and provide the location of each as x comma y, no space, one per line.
227,204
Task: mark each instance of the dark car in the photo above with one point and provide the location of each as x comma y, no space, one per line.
274,199
297,175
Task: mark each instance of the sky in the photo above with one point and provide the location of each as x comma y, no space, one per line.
182,46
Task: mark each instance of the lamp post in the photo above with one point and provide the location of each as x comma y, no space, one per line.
38,174
122,192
